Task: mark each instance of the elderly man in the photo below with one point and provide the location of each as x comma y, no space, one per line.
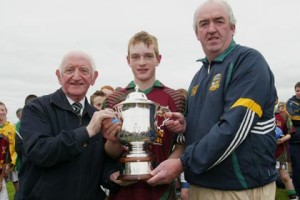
64,153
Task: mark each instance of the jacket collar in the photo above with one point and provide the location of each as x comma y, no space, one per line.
59,99
222,56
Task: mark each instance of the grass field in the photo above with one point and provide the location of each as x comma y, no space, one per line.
281,194
10,190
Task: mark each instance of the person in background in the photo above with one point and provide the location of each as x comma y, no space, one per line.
107,89
293,108
18,139
144,58
19,115
118,89
284,122
18,136
8,130
17,125
184,185
97,99
64,156
4,160
183,92
230,124
29,98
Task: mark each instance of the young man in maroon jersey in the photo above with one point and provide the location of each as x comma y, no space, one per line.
143,58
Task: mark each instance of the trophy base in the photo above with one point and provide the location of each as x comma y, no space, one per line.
135,168
141,177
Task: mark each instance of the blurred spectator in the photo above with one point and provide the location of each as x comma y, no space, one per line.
293,108
97,99
183,92
19,115
184,185
4,160
107,89
18,138
284,122
29,98
8,130
118,89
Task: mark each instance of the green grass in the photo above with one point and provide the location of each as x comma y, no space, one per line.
281,194
10,190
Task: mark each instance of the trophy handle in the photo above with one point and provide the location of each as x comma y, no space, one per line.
161,112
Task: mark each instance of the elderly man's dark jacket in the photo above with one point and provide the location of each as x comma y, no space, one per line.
60,161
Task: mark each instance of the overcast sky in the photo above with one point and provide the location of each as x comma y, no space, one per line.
35,34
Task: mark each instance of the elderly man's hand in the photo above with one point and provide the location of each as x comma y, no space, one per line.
96,123
110,129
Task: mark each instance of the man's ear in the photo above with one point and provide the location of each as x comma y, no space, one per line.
128,60
158,59
95,75
232,26
58,75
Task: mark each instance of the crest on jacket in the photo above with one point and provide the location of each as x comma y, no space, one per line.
194,90
215,84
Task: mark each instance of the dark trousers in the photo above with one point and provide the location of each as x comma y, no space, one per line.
295,160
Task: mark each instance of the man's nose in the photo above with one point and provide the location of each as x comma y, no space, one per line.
211,27
76,74
142,60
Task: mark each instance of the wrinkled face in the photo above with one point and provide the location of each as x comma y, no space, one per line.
98,102
214,30
297,92
76,76
3,112
143,61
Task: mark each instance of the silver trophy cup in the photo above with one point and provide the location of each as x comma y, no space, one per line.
138,116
